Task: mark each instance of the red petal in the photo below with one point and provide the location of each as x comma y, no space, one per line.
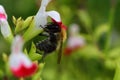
67,51
25,71
2,16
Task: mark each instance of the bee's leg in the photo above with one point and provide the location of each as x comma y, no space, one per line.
41,26
37,50
43,57
44,34
44,28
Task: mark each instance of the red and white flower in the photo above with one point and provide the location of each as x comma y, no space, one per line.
20,64
5,28
75,41
40,19
42,15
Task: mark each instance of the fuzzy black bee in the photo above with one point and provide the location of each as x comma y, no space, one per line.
54,38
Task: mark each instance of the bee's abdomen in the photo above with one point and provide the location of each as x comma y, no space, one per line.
46,46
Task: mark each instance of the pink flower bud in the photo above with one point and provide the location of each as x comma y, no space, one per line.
5,29
2,13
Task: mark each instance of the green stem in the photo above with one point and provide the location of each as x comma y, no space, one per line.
110,25
37,76
31,32
117,72
9,39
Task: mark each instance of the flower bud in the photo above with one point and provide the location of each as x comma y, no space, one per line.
5,28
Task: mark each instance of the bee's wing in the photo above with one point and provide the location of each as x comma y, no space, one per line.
60,50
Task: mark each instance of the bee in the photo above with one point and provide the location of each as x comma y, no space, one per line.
55,37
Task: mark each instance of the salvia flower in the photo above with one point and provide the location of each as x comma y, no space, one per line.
40,19
20,64
75,41
54,15
5,28
42,14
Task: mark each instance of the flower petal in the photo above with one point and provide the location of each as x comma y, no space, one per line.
17,44
3,22
5,29
2,13
74,41
54,15
68,51
41,17
18,59
74,29
44,3
24,71
2,16
21,65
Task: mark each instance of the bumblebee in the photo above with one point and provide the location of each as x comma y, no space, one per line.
55,37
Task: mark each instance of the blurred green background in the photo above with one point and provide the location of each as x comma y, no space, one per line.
99,22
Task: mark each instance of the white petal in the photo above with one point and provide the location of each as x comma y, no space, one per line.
54,15
16,60
44,3
17,44
5,29
41,17
74,29
74,41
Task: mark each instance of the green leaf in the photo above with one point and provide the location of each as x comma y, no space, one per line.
25,51
5,57
89,51
27,22
31,32
1,73
85,18
110,64
112,58
32,53
37,76
103,28
14,20
117,72
22,24
114,53
19,24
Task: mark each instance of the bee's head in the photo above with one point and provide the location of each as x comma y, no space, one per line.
62,26
53,27
55,16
